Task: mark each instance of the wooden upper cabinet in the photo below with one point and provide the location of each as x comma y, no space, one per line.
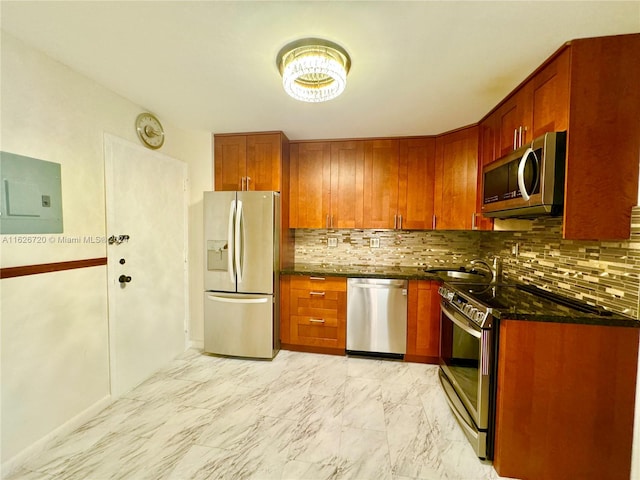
540,105
264,169
347,182
549,90
381,184
230,157
590,89
603,145
248,162
416,183
456,179
310,185
487,141
512,122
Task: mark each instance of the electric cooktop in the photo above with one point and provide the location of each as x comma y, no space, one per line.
520,298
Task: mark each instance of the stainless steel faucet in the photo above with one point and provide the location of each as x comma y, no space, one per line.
494,270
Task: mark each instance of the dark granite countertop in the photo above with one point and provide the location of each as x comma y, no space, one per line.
511,303
554,315
361,271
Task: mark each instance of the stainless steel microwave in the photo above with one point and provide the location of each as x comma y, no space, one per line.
528,182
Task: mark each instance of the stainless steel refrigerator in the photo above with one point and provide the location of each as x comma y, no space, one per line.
241,235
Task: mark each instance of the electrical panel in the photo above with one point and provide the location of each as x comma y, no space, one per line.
30,195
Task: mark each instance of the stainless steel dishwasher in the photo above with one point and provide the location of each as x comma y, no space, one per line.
377,316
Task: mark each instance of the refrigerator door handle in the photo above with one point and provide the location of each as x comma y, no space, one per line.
230,244
238,242
237,300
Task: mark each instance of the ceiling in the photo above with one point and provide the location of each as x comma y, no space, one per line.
421,67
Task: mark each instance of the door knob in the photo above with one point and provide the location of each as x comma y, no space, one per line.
117,240
124,279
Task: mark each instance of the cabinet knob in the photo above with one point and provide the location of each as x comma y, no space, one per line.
124,279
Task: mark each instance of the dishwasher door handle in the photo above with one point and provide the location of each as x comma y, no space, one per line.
381,287
374,285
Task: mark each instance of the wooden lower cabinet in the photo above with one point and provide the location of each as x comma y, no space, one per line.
423,322
565,401
313,312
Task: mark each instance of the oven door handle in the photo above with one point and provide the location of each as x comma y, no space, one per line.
464,325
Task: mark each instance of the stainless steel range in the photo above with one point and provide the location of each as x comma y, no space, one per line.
469,326
468,366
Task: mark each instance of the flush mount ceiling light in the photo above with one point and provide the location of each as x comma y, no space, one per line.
313,70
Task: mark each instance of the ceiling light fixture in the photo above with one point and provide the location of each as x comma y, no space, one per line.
313,70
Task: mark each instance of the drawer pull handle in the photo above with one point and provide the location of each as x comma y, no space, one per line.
316,320
318,294
316,278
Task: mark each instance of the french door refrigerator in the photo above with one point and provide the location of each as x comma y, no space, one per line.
241,234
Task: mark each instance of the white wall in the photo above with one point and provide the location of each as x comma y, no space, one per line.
201,180
54,336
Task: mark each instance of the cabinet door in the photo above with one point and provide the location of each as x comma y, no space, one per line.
416,183
456,179
603,145
347,182
550,97
230,154
513,121
380,184
310,183
557,392
423,321
264,154
486,154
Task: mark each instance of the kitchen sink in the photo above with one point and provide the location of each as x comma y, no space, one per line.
460,275
455,275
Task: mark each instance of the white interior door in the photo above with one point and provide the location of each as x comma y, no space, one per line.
146,201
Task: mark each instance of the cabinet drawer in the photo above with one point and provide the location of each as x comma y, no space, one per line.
316,304
315,328
310,333
318,284
315,321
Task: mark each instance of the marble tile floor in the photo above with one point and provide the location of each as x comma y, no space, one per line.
299,416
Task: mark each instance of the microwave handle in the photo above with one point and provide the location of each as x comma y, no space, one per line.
521,166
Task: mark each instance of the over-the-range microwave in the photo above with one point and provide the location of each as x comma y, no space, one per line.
528,182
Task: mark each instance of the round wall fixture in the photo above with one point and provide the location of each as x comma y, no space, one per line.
150,131
313,70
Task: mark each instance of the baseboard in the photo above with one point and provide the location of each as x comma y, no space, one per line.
313,349
199,344
17,461
421,359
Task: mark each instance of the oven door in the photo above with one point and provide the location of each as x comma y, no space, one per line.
465,359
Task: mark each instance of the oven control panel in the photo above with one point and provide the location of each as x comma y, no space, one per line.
475,312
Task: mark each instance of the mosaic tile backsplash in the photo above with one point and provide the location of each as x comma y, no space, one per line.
599,273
